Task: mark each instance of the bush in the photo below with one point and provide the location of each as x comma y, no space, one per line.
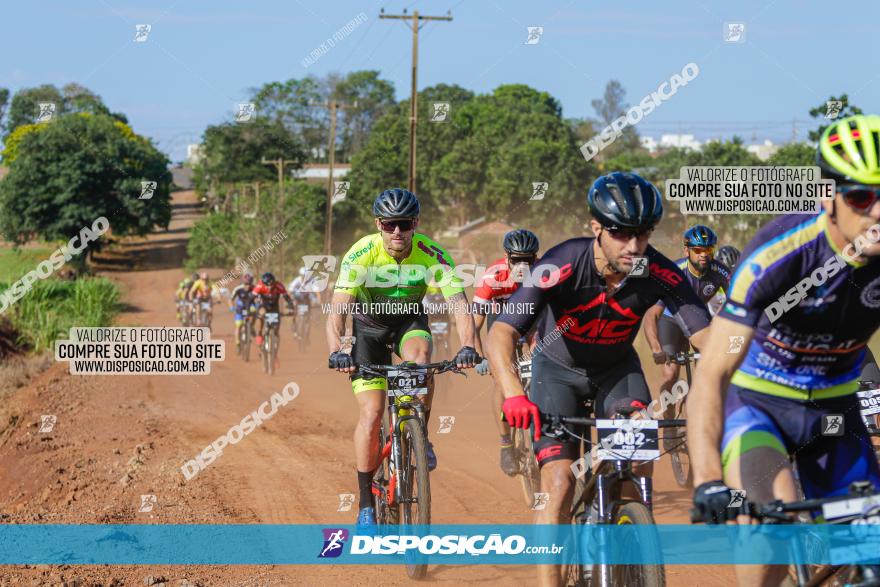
52,307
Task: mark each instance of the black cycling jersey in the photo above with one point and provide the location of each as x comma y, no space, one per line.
242,293
715,277
583,327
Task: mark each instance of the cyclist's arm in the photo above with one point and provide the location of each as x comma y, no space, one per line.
652,316
336,319
478,324
707,394
502,356
464,320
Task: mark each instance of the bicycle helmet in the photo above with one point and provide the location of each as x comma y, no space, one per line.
848,150
268,278
396,203
247,278
728,256
194,277
700,235
625,200
521,242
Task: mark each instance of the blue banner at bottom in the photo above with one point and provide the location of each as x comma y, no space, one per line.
178,544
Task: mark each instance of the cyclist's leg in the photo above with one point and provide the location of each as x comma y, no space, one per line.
870,371
558,391
828,464
673,341
498,395
369,347
621,386
755,459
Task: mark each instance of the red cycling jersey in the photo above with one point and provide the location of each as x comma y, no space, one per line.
495,287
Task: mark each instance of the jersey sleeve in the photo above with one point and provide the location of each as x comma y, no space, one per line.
680,299
753,286
442,266
353,266
543,286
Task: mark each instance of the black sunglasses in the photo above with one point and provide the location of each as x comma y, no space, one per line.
859,197
403,224
517,259
628,233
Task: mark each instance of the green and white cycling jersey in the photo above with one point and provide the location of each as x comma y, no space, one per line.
388,291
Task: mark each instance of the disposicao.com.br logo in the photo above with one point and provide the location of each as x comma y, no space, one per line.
450,544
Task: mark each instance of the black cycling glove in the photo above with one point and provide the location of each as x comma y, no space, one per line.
340,360
714,502
466,357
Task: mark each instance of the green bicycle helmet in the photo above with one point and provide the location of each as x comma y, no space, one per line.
849,150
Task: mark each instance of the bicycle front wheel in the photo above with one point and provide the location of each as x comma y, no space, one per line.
529,472
273,350
633,512
678,452
415,506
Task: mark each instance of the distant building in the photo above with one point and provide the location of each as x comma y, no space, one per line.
763,151
194,154
680,140
320,172
649,143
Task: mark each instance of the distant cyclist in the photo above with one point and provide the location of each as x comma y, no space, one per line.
500,280
728,256
240,300
180,296
784,356
388,316
304,292
706,276
267,293
588,314
201,292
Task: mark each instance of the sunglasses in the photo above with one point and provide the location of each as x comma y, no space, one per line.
515,260
403,224
701,250
626,234
859,197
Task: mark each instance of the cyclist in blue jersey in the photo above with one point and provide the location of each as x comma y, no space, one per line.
803,303
707,277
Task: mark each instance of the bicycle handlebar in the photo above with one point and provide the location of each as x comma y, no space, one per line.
592,421
438,367
682,358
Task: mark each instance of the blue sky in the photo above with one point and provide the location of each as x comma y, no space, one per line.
202,56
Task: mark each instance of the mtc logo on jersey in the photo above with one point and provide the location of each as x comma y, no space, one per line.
593,323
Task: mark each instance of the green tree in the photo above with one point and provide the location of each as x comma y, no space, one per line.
77,168
296,105
794,154
373,98
72,98
4,103
234,152
821,111
611,106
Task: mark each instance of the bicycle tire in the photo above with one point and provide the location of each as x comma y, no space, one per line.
273,350
264,352
529,471
414,468
679,456
634,512
384,514
246,342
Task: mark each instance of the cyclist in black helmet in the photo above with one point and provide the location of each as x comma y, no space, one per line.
501,279
593,308
387,312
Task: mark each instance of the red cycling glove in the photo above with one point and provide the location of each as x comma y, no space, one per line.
519,412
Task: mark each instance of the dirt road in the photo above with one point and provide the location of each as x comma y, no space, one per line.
120,437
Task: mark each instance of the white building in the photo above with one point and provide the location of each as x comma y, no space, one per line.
763,151
649,143
684,141
194,154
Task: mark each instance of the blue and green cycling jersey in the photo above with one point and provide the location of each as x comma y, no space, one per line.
812,310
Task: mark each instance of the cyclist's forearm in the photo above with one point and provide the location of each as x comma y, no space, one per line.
478,325
502,354
464,320
651,333
336,320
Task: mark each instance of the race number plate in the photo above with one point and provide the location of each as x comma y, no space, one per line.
850,507
439,327
525,369
271,317
408,382
302,309
627,440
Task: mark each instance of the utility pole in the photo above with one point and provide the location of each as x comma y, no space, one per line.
279,165
333,106
413,103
